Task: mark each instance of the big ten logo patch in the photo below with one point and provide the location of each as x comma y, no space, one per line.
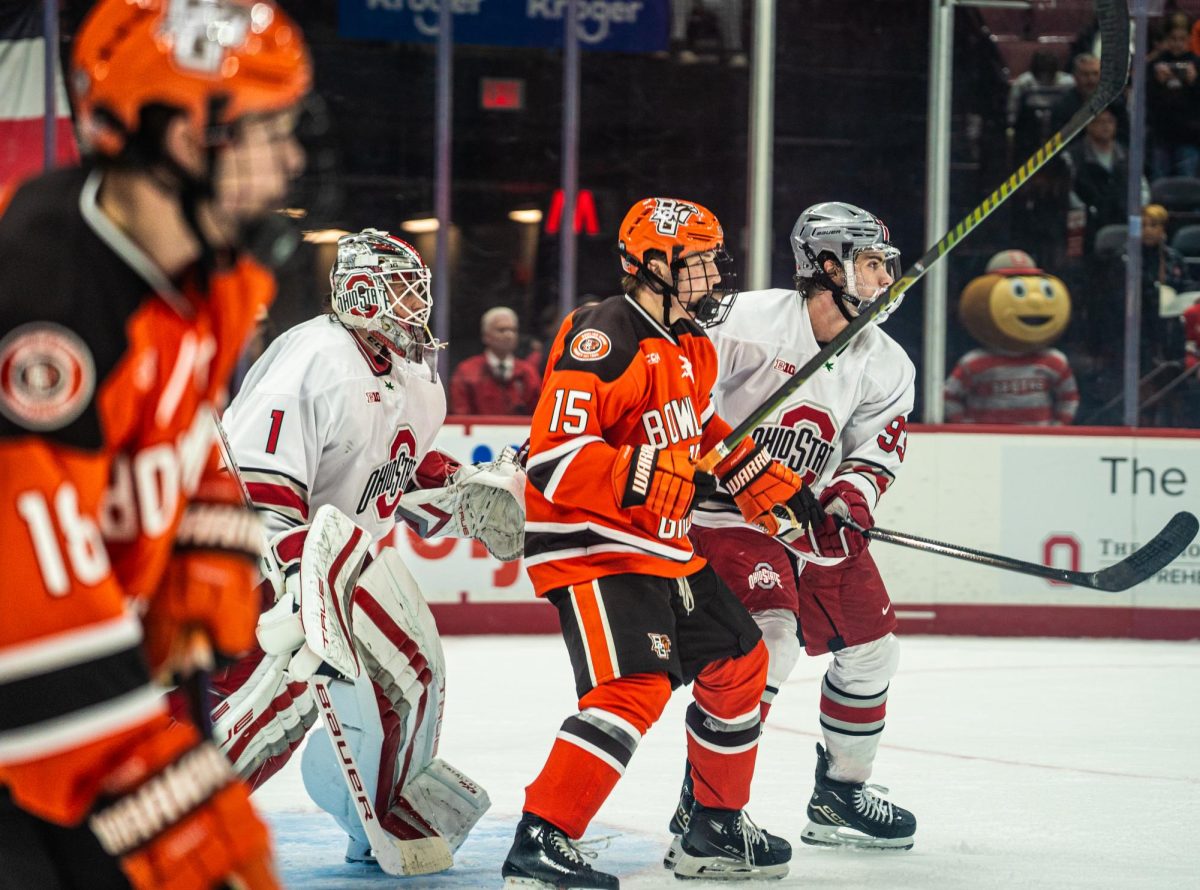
386,482
803,440
764,577
660,645
676,421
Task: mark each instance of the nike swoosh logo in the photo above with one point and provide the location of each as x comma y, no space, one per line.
884,611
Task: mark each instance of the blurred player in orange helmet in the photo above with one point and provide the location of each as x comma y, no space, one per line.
127,291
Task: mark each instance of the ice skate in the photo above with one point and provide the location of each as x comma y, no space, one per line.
850,814
359,851
679,820
724,845
543,856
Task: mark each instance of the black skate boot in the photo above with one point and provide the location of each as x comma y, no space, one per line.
850,814
724,845
543,856
679,820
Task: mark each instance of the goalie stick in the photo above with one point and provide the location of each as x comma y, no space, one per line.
1141,565
419,856
1113,17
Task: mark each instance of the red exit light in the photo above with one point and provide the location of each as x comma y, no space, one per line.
501,94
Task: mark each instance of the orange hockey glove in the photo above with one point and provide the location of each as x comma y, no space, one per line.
660,481
207,597
175,816
758,484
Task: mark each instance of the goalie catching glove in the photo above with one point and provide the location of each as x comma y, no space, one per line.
484,501
762,487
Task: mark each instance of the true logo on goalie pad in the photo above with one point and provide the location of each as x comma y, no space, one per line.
660,645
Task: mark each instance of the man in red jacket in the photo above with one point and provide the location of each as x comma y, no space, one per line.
495,381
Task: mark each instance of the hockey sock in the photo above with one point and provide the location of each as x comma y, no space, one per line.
780,636
723,726
851,724
593,748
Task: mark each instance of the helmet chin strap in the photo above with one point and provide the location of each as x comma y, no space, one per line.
842,297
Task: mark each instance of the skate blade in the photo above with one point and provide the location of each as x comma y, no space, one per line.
715,868
833,836
527,883
673,853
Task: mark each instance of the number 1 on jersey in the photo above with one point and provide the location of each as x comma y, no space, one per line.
273,435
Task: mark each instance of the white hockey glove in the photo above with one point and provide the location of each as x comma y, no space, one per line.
483,501
311,617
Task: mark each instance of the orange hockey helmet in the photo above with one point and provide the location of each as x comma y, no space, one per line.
216,60
674,230
673,227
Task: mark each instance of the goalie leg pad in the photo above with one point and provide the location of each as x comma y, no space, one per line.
446,799
263,717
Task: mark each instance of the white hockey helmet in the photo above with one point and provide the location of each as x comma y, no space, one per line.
839,231
380,285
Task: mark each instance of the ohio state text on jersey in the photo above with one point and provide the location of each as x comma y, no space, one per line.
848,421
615,376
324,418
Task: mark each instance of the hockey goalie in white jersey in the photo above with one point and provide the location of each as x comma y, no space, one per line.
331,426
844,432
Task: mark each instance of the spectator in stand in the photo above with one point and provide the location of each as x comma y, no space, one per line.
1100,175
495,381
1086,71
1162,265
1173,107
728,14
1032,98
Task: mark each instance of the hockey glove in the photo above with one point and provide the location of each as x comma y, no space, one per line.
831,537
659,480
173,814
760,485
207,599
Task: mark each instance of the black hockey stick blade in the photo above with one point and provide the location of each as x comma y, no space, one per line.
1113,19
1141,565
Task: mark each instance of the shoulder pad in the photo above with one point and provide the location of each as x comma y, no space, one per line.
600,340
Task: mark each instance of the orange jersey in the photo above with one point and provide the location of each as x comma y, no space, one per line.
108,376
615,376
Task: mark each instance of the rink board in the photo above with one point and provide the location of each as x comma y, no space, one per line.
1079,498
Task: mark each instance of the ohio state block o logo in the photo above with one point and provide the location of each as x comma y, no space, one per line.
590,345
47,376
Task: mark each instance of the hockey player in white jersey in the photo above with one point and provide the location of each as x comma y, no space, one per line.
844,432
341,412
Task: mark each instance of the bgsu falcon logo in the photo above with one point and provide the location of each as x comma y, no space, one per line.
763,577
670,214
590,345
802,439
386,482
660,645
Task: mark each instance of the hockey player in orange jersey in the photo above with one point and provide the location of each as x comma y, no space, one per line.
624,412
126,296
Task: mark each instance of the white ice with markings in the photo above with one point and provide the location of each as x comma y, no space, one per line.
1028,763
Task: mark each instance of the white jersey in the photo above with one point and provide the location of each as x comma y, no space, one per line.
848,421
322,418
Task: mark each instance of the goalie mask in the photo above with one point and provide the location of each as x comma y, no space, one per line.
381,287
846,234
689,239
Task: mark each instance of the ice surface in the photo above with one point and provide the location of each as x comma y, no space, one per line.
1028,764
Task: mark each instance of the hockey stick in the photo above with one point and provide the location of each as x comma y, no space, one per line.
1113,16
396,856
1141,565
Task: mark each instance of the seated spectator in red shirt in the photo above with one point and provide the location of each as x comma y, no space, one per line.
495,381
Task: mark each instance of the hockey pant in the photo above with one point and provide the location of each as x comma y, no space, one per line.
391,715
594,746
853,692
